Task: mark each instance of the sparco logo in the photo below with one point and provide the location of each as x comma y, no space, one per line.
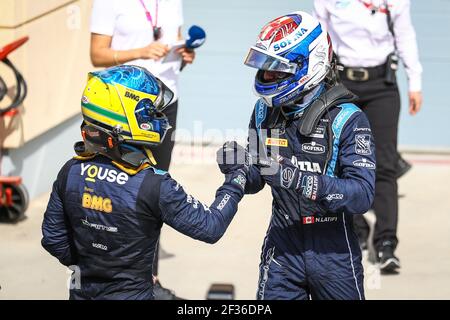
335,196
364,163
133,96
223,202
313,148
100,246
306,165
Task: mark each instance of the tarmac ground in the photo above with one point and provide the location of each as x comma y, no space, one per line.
28,272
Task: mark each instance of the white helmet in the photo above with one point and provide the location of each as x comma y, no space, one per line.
298,49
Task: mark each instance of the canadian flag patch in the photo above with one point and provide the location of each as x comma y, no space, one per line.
308,220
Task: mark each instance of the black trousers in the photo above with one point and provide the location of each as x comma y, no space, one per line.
163,155
381,103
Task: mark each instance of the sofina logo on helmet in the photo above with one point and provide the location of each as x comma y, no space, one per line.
286,43
94,172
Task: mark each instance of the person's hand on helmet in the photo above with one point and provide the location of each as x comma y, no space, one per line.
288,176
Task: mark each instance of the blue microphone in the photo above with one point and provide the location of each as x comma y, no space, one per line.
197,37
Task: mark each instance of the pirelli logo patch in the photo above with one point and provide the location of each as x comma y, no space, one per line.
276,142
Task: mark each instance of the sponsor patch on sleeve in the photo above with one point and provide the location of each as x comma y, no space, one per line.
362,144
364,163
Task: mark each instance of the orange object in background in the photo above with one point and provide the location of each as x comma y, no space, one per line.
21,86
6,50
13,195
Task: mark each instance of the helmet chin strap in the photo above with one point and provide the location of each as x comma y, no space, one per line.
150,156
144,164
296,109
97,140
84,155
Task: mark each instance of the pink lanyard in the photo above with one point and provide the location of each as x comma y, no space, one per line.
149,16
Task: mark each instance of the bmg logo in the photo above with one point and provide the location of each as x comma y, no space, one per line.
132,96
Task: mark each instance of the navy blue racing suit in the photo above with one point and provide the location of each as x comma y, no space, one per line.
107,223
310,249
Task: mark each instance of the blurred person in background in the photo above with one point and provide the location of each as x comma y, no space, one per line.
302,144
369,37
141,32
108,204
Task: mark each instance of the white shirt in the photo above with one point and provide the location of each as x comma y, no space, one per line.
126,22
361,37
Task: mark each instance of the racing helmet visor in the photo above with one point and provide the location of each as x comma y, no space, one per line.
164,99
260,59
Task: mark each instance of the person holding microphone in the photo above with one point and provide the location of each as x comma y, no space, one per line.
142,33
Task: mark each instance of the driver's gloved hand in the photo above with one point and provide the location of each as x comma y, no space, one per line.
232,157
288,176
234,162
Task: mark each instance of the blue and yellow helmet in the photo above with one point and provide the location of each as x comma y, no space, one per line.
127,100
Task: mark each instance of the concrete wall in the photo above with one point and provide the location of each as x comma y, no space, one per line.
39,160
54,62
